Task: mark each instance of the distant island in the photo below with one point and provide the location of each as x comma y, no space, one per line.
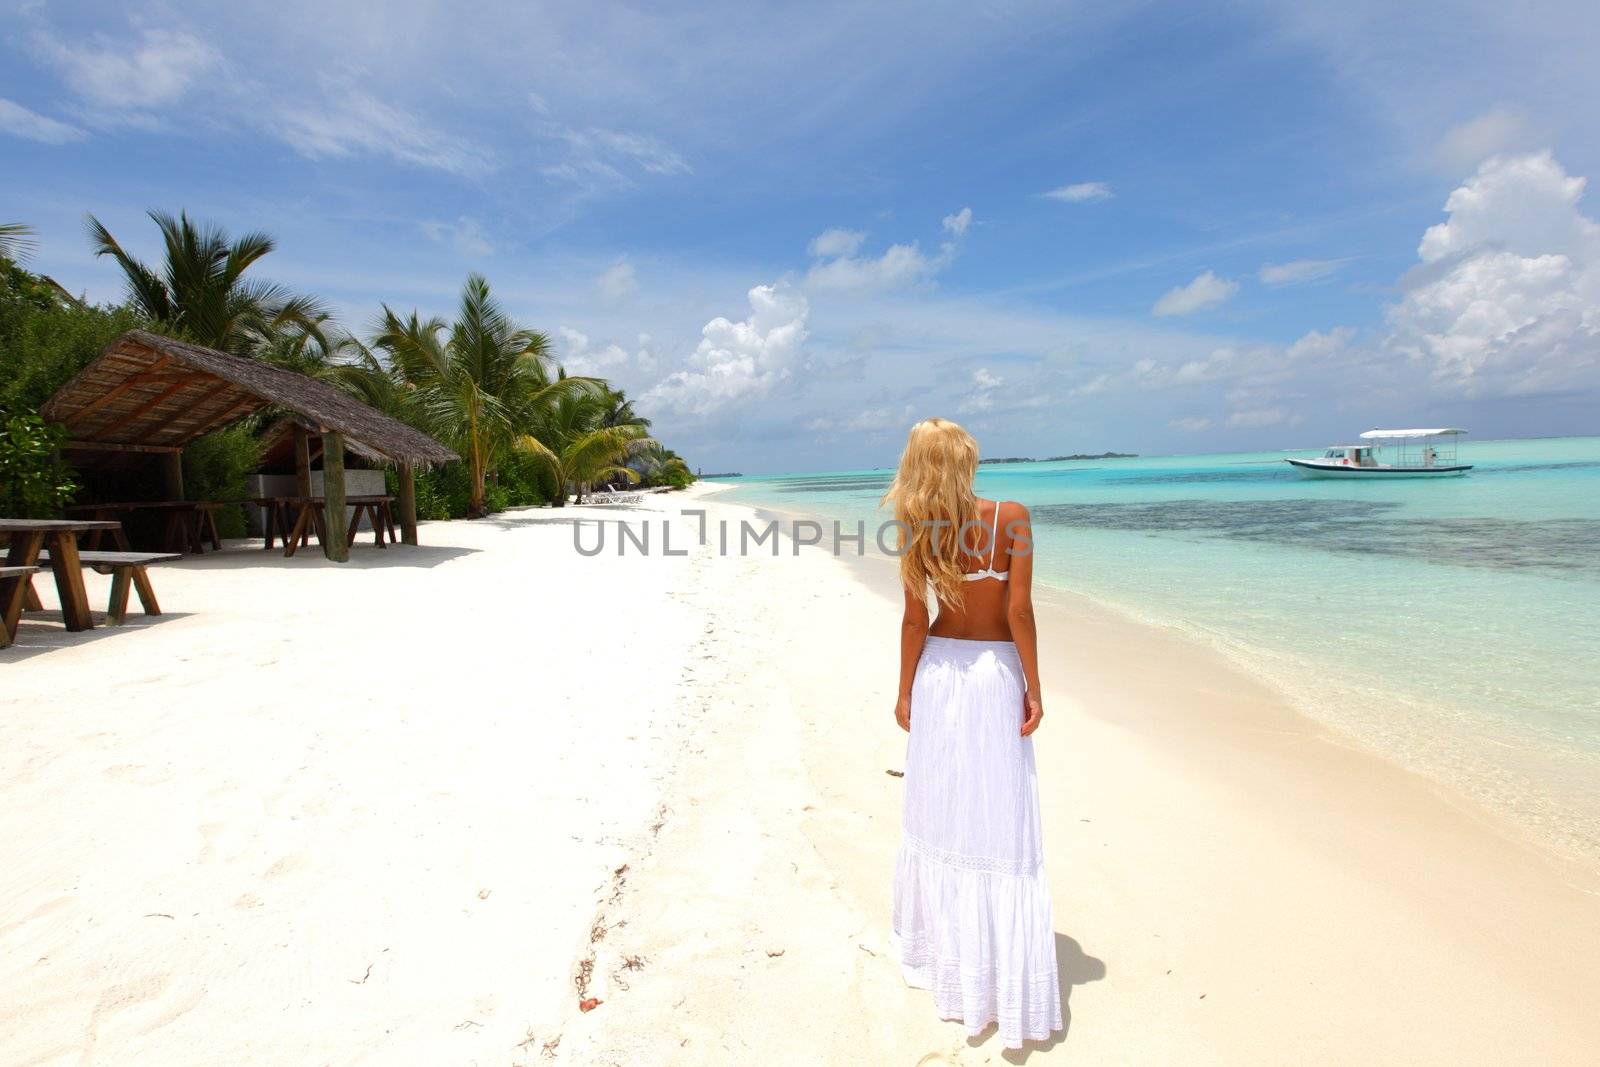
1059,459
727,474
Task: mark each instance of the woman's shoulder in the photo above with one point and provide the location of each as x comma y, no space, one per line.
1009,510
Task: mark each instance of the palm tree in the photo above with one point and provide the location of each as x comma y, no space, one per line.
660,465
479,383
361,373
578,451
617,410
201,290
16,241
315,347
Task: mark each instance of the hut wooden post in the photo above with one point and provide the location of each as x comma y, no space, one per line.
408,504
337,544
172,475
302,462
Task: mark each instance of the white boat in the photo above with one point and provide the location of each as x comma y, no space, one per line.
1389,454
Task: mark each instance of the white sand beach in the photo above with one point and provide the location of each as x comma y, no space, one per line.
399,811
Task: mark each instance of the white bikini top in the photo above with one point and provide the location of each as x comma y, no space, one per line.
989,571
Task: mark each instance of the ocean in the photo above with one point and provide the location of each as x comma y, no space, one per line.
1450,624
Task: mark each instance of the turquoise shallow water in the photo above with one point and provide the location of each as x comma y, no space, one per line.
1450,624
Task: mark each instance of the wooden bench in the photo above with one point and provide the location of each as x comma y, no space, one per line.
24,574
125,568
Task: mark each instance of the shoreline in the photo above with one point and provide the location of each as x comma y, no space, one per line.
1477,790
1074,611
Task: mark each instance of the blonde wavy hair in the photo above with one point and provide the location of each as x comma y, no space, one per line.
934,503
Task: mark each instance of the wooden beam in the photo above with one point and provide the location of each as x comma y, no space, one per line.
172,474
138,412
114,446
107,397
302,462
408,504
243,406
334,544
221,390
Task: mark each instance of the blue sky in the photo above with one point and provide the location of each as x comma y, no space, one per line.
792,230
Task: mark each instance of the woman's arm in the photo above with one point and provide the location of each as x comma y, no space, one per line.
913,632
1019,612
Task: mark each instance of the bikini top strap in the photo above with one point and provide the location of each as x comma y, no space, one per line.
994,547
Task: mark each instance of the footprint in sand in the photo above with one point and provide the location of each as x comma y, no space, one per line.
285,865
37,913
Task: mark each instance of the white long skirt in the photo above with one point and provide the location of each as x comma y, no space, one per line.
972,916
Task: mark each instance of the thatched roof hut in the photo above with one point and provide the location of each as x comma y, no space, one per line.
154,394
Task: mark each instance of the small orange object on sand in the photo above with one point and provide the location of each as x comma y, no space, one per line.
589,1005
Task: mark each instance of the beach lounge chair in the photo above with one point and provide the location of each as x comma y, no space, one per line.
609,495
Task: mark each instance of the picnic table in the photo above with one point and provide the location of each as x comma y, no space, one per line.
295,518
189,522
26,538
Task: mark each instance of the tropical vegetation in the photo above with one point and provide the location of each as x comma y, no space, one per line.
487,386
478,384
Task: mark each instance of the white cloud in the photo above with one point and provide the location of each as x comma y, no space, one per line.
1207,290
836,242
1316,345
112,76
578,355
899,265
1080,193
1507,297
1299,270
465,235
350,122
26,123
591,153
984,384
838,266
173,79
1190,425
1260,418
889,418
1499,130
618,281
20,122
1527,204
739,361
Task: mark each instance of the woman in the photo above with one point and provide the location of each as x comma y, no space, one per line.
971,904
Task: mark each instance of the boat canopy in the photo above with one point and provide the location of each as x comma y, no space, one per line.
1370,434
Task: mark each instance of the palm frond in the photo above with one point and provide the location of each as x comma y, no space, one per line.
17,241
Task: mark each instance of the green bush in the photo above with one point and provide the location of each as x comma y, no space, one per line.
677,477
443,493
34,483
46,337
218,467
525,482
495,498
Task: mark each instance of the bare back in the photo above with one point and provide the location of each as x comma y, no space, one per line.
983,616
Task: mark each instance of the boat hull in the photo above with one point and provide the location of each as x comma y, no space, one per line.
1316,469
